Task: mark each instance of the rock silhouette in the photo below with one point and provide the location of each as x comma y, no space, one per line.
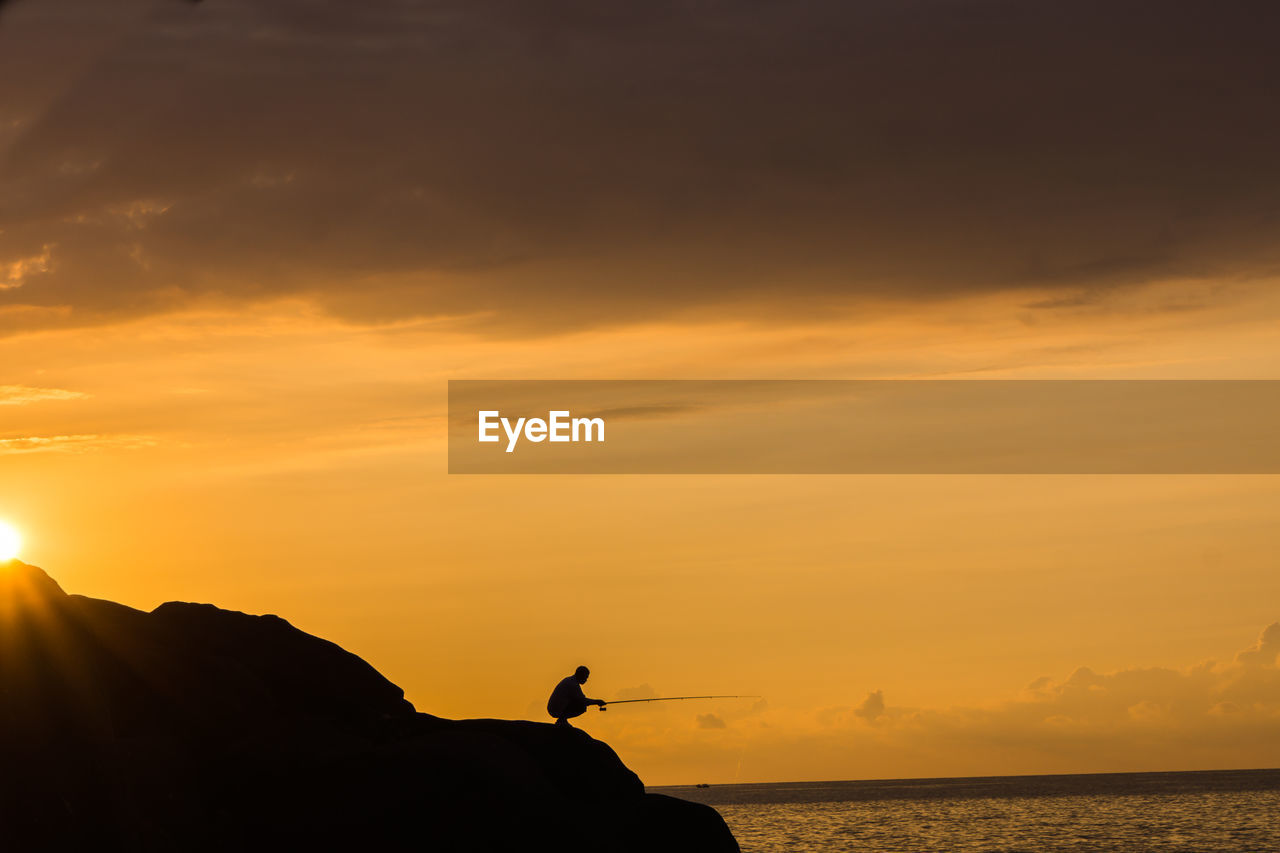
196,728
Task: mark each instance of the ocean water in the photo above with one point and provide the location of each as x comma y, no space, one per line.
1200,812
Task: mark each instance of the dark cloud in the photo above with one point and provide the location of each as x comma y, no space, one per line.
643,691
643,412
551,165
711,721
1264,652
872,707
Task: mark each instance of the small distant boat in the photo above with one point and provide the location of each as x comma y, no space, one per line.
702,785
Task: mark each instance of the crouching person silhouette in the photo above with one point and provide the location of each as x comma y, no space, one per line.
568,701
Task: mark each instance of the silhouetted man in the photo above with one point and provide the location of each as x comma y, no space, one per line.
568,701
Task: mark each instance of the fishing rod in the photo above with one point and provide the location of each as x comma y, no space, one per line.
673,699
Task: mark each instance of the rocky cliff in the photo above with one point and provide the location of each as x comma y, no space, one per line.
196,728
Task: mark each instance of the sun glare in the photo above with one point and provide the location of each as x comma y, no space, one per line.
10,541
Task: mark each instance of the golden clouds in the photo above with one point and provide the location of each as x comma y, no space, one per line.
22,395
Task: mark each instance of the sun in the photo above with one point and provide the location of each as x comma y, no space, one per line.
10,541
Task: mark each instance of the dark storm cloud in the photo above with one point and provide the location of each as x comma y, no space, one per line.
573,163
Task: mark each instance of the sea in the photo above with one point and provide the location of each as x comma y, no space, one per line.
1197,812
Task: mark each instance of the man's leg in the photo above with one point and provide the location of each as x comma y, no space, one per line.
575,710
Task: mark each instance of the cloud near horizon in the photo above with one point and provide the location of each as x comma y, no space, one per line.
872,708
711,721
643,691
1209,715
574,165
1215,700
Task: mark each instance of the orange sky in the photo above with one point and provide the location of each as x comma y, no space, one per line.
292,464
226,332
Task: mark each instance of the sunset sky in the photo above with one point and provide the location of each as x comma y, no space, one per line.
244,245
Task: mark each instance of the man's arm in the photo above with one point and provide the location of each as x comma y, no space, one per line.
584,698
599,702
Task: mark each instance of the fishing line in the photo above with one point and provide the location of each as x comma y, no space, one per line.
674,699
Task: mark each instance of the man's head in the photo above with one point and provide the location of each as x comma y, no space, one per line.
582,674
